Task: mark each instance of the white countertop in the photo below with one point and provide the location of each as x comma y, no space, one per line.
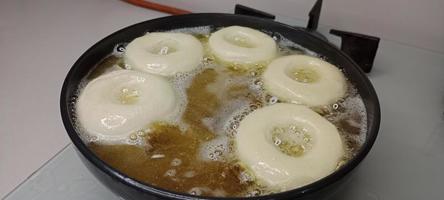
40,41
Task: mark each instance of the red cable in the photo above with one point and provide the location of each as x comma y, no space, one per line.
158,7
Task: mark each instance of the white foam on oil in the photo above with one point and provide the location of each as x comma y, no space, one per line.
350,109
233,120
181,82
287,44
214,192
201,30
215,149
356,106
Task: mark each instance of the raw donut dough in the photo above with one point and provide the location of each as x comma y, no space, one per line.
164,53
114,105
242,45
304,79
313,145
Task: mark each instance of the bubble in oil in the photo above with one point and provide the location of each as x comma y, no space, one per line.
335,106
234,126
119,49
246,177
215,149
207,60
273,100
176,162
258,83
142,133
276,36
133,137
189,174
254,106
170,173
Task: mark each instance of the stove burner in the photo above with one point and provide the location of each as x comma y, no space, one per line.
362,48
314,15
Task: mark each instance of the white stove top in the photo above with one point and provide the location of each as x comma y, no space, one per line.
406,161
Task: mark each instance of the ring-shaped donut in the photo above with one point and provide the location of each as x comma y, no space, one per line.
114,105
305,80
164,53
242,45
287,146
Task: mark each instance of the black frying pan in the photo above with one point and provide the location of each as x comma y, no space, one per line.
131,189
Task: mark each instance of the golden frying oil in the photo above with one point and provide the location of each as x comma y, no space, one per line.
222,94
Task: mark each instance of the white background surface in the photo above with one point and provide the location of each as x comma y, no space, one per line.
40,40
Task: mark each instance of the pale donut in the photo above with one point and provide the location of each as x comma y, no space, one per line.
276,169
304,79
164,53
242,45
114,105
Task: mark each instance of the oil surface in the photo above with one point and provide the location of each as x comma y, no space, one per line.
170,162
196,155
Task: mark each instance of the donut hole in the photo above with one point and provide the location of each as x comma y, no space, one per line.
293,139
240,39
164,47
125,95
302,74
128,96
